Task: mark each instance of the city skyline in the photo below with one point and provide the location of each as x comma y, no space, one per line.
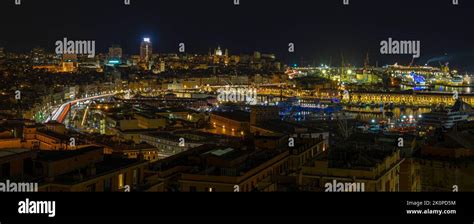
319,31
443,60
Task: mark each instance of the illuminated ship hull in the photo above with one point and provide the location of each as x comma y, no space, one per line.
457,81
447,118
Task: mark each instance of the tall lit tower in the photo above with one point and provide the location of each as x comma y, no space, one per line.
146,50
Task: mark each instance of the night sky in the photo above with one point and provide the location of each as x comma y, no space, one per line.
321,29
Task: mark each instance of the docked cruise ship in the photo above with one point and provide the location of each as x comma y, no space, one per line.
457,81
448,117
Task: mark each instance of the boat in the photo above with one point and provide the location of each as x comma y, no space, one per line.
447,117
456,81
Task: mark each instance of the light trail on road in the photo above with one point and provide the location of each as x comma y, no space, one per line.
60,114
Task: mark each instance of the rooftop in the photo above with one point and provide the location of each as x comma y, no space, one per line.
10,152
190,136
60,155
358,152
217,160
108,165
54,135
241,116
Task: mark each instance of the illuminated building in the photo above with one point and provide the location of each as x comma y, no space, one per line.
146,50
218,51
230,123
150,121
162,66
420,98
217,56
48,68
175,85
26,135
69,63
226,57
68,67
54,141
423,70
115,53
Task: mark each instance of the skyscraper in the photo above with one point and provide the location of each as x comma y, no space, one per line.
146,50
115,53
